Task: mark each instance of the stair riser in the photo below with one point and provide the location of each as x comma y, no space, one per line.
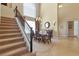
7,19
4,32
8,22
11,41
8,27
11,48
4,23
9,36
9,30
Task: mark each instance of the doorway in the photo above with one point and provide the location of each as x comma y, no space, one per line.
73,28
70,28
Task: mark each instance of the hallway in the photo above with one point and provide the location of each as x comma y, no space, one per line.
62,46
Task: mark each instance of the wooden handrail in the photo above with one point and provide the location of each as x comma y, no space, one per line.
21,16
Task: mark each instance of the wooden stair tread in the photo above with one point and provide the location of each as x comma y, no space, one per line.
2,31
10,40
3,21
2,40
10,45
8,30
14,52
13,47
7,19
10,35
7,24
7,34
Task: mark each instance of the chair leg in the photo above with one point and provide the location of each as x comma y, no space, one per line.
43,40
49,41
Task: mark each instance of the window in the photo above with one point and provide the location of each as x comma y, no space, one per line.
29,9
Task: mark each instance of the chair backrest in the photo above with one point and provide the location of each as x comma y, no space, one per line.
49,33
37,33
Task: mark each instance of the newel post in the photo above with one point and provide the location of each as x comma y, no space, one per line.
16,11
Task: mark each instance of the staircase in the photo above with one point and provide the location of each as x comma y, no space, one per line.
11,40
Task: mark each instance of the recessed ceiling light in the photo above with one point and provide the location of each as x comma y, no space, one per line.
60,6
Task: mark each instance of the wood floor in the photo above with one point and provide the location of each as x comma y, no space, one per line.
63,46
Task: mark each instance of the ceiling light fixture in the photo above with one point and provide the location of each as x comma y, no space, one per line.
60,6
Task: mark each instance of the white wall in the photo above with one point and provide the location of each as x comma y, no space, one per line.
76,27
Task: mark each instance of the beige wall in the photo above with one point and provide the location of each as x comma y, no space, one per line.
19,5
69,12
37,9
8,11
48,12
0,9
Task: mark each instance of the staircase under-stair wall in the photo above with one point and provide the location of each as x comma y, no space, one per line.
11,40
